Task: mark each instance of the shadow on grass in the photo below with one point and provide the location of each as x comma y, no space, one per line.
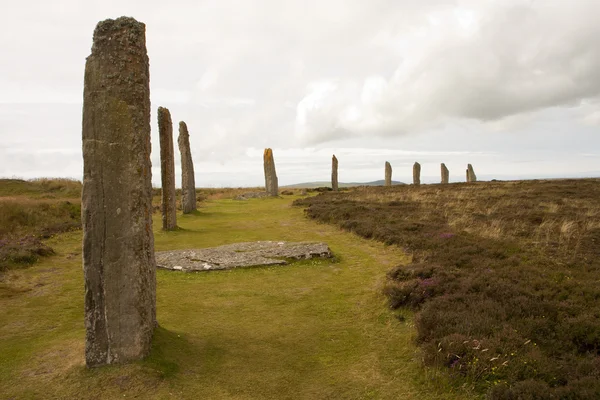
311,262
194,213
178,230
170,350
176,353
203,213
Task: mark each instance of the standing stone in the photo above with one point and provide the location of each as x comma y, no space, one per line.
417,174
471,174
334,173
388,174
445,173
118,244
167,170
188,183
271,184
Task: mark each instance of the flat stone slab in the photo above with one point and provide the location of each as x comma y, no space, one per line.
240,255
251,195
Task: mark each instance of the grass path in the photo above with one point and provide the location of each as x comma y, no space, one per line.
313,330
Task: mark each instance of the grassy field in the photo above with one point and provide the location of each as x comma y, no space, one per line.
317,329
505,278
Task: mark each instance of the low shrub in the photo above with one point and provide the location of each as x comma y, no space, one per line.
23,251
504,278
26,220
22,216
41,187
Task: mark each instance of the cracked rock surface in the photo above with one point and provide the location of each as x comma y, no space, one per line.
239,255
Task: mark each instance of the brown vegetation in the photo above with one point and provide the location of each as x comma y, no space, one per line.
505,277
34,210
48,188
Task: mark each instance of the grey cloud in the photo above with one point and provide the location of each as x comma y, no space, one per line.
514,57
271,73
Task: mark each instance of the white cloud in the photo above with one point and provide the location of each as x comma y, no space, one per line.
208,79
433,76
496,60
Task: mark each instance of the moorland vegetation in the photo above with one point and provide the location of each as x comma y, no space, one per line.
505,278
31,211
37,209
314,329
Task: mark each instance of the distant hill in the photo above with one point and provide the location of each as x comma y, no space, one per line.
310,185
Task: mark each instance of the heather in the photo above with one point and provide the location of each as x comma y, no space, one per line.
504,278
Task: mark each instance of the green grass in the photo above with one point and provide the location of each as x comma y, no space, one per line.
317,329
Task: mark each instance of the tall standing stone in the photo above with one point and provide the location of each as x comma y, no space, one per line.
334,173
118,244
445,173
271,184
188,182
388,174
167,170
417,174
471,174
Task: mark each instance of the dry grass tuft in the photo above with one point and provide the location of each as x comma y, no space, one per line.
41,187
33,210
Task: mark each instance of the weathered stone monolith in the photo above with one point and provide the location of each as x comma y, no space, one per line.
445,173
471,174
417,174
388,174
334,173
118,244
167,170
271,184
188,182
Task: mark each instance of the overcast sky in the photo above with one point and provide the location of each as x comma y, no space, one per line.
510,86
